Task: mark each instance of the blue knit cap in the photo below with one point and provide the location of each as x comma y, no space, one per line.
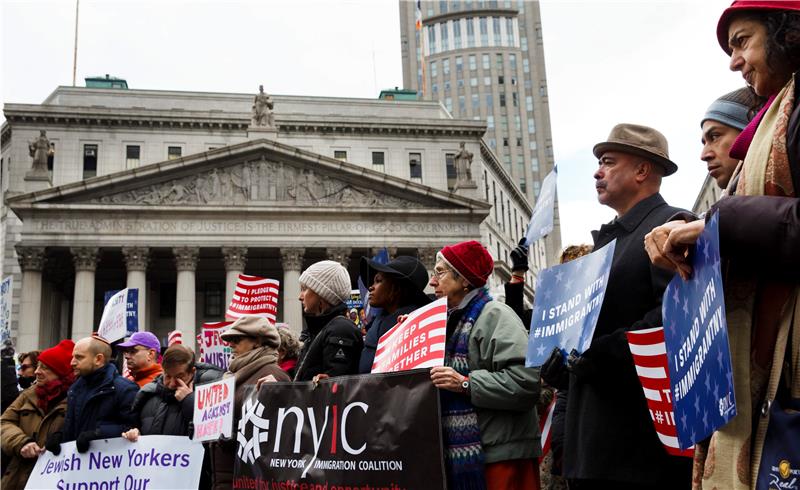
732,109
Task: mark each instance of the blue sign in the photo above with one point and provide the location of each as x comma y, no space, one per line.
568,301
696,337
131,309
541,222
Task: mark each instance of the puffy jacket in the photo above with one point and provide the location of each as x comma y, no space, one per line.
159,412
101,402
503,391
25,422
333,347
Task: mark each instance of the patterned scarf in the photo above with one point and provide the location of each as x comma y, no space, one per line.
463,456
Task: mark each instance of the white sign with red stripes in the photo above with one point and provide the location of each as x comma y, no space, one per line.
256,296
650,359
418,342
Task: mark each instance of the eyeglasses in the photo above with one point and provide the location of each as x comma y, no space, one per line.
25,367
440,273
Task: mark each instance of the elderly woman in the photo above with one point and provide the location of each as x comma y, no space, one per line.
36,413
254,343
397,288
759,231
489,397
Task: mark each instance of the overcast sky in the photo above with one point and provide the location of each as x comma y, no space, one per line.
647,62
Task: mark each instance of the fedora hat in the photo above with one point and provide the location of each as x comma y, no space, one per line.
406,269
640,141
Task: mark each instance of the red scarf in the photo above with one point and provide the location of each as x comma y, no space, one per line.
50,393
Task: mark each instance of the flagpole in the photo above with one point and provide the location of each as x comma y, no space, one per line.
75,51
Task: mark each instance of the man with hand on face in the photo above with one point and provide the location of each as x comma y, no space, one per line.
99,402
609,439
141,354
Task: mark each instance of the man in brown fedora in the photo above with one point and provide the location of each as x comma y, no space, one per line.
610,441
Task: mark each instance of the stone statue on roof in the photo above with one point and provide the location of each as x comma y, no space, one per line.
463,161
262,115
40,149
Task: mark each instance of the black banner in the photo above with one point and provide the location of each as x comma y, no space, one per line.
369,432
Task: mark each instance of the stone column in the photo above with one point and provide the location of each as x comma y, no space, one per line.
292,263
339,254
85,260
235,259
427,255
136,260
186,263
31,261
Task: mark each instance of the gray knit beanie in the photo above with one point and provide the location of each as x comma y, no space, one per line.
732,109
329,279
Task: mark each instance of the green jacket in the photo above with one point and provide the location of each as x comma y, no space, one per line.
503,391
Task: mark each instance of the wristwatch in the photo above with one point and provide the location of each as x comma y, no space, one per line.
465,385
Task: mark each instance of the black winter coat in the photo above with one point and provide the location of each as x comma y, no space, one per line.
160,413
333,347
102,402
608,431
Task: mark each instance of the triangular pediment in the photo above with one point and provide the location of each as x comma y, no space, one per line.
259,173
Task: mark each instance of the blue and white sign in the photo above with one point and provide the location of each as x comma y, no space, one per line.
568,301
541,223
120,315
696,337
6,289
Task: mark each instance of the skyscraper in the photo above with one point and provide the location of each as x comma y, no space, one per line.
485,60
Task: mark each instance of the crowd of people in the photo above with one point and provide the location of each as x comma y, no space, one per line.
602,433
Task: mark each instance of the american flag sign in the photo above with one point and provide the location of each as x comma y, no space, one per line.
650,359
254,296
418,342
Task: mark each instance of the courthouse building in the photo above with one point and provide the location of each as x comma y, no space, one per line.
176,193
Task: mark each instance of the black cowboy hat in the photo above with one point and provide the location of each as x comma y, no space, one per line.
406,269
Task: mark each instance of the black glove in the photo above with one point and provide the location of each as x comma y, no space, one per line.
581,365
53,443
83,440
519,257
554,370
8,349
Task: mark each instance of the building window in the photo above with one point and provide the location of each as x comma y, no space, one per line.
446,67
476,103
504,124
505,141
484,31
486,188
519,141
460,82
531,125
450,166
532,144
543,90
510,31
496,25
534,164
493,143
502,100
340,155
448,104
435,88
490,122
514,99
51,155
443,35
517,123
473,82
132,156
487,81
523,186
462,104
500,79
529,103
459,64
526,65
431,39
434,73
524,42
457,34
473,62
486,62
447,86
442,6
489,102
173,152
512,62
212,307
378,161
470,33
415,167
89,161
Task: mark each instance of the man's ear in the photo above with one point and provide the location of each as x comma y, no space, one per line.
644,168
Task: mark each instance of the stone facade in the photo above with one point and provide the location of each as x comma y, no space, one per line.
181,225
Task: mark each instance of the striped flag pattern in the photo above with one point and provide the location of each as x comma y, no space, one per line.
418,342
174,337
254,296
545,424
650,359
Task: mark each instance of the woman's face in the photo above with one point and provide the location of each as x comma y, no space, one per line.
241,345
747,40
445,284
44,374
380,292
313,304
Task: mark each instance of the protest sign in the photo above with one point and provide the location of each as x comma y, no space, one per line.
213,410
568,301
541,223
6,290
213,349
120,315
374,431
650,359
117,464
416,343
254,296
696,338
174,337
355,307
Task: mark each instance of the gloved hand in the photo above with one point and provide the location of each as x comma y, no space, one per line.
83,440
519,256
53,443
554,370
581,365
8,349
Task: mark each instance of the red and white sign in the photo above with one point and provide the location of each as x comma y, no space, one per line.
545,426
213,409
650,359
418,342
254,296
174,337
213,349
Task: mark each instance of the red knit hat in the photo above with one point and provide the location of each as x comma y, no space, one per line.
471,260
58,358
744,5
